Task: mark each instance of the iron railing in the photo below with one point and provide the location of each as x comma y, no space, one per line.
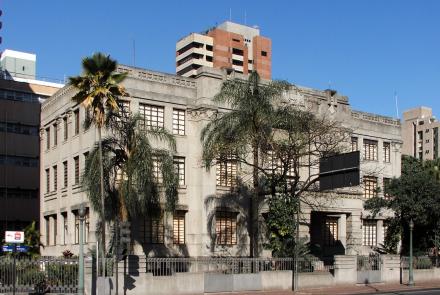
419,262
369,262
39,274
229,265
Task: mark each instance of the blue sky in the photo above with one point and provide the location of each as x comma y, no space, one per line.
365,49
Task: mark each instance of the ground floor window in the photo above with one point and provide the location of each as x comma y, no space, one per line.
330,231
152,230
226,228
179,227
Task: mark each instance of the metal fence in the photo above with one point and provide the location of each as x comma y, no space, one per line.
369,262
39,275
232,265
419,262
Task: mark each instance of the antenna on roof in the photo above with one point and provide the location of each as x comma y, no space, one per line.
230,14
134,53
397,107
245,18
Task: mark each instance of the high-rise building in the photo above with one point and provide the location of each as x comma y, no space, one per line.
420,134
232,46
20,97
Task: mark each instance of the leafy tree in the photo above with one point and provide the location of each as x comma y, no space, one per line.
32,239
280,144
415,195
242,131
99,90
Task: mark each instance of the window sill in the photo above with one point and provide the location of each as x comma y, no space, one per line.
76,186
50,194
374,161
64,190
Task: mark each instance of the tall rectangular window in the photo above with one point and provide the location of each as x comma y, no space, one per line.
179,227
152,230
47,138
55,134
77,122
330,231
65,227
76,161
157,170
47,180
66,174
55,229
65,128
369,232
386,152
354,144
47,221
124,109
55,177
178,122
370,187
386,183
76,214
226,228
227,172
370,149
179,168
153,116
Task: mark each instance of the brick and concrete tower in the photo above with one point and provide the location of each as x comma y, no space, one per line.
231,46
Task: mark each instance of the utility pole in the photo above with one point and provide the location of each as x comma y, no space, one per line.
82,214
410,272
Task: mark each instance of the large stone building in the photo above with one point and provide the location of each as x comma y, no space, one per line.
184,106
231,46
20,97
420,134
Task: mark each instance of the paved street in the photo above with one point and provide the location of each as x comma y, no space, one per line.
420,292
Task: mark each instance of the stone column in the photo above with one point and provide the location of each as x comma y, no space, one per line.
342,230
345,269
380,232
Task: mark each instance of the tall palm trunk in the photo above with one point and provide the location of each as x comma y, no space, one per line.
101,171
253,204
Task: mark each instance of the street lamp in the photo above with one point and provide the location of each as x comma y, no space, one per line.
410,273
82,215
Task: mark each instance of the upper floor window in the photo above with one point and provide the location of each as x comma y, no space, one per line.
47,138
55,177
179,168
386,184
157,170
47,180
386,152
178,122
354,144
370,149
66,174
66,128
152,230
55,134
76,115
370,187
227,172
76,161
179,227
153,116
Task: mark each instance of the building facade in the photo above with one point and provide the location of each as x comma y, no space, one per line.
20,97
206,223
231,46
420,134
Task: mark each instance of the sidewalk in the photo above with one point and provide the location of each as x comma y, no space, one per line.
346,290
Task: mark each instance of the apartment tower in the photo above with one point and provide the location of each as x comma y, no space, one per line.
20,97
420,134
231,46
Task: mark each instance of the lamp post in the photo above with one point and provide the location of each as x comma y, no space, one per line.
410,273
82,215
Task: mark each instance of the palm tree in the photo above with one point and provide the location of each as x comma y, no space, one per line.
98,91
130,181
244,132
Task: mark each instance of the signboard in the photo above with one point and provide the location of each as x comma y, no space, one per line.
339,171
14,237
22,249
7,248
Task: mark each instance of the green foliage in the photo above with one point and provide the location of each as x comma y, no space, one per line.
416,196
32,239
130,185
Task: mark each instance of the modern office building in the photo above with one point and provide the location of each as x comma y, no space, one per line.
420,134
184,106
21,94
230,46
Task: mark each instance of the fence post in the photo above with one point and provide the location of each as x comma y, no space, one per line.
346,269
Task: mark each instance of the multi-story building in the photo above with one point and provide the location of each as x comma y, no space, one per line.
184,106
20,97
231,46
420,134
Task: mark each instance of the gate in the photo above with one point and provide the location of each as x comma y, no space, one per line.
369,269
43,275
